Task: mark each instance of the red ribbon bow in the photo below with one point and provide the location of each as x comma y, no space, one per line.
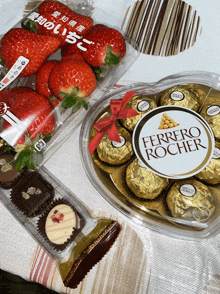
108,124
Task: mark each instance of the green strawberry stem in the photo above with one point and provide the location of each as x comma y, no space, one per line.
1,61
72,100
100,72
29,25
25,158
110,58
30,156
8,149
52,98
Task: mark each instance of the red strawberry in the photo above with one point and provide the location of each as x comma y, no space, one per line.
108,46
47,6
73,79
42,77
72,48
20,42
31,105
75,56
8,96
64,19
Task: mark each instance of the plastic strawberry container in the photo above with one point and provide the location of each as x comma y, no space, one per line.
181,208
33,128
65,119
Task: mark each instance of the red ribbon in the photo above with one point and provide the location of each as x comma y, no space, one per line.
108,125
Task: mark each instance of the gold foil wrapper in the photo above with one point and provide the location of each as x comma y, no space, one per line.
213,95
202,92
144,183
142,104
118,177
211,113
190,200
116,153
211,173
181,96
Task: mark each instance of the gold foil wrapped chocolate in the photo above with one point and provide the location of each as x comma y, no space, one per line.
190,200
211,113
181,96
213,95
113,152
202,92
142,104
144,183
211,173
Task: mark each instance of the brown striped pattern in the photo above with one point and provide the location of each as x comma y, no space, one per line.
30,6
162,27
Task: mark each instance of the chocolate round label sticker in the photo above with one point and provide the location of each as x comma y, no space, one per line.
173,142
216,153
143,106
213,110
188,190
177,96
118,144
201,213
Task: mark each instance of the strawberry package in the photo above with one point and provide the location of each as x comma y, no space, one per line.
55,63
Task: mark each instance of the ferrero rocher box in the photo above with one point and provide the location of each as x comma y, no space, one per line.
170,178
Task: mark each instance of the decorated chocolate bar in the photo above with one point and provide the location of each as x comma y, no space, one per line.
9,177
32,194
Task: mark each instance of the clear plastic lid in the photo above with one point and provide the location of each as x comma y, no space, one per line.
46,87
169,179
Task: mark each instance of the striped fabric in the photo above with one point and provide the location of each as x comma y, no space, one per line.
124,269
162,27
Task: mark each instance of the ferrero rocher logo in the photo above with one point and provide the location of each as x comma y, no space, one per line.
167,122
182,145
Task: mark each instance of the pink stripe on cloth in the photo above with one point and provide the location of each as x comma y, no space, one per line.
53,275
37,253
37,270
47,271
41,267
